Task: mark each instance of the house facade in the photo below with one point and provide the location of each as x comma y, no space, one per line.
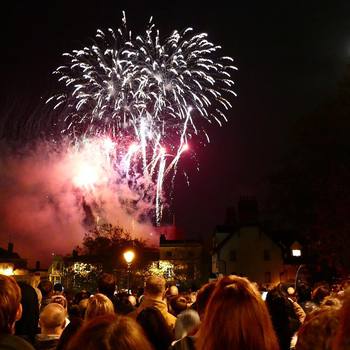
247,251
184,255
245,247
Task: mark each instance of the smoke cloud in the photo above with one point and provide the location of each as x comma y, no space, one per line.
41,202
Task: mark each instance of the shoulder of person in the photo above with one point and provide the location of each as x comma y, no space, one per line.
12,342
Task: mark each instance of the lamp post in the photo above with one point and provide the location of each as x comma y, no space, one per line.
129,256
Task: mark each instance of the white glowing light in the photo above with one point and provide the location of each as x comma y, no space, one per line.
86,176
296,252
129,256
6,270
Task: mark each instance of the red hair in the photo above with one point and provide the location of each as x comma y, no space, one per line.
110,332
10,299
236,318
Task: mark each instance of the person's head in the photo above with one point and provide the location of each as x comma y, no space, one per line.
236,318
59,299
80,296
10,304
82,307
98,305
73,327
123,305
331,302
319,332
155,287
178,304
172,291
203,297
319,293
46,288
187,323
155,328
110,332
283,316
303,293
342,339
106,284
132,300
52,319
58,288
27,326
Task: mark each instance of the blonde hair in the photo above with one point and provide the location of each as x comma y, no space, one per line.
98,305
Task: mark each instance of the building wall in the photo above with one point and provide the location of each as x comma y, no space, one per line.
251,253
186,254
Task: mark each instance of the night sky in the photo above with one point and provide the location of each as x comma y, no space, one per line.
290,56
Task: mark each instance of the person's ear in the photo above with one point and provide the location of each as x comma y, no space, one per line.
19,312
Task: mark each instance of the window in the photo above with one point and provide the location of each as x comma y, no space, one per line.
296,252
267,277
233,255
267,256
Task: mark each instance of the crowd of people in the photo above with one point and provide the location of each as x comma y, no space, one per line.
228,313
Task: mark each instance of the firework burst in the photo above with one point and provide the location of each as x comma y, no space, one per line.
152,95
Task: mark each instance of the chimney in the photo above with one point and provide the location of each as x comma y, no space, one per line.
10,247
248,211
37,265
230,216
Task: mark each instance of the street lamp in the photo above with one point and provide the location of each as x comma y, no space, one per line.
129,256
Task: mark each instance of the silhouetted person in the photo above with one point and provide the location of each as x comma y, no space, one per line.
154,325
27,326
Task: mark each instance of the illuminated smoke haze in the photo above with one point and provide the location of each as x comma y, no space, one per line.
41,208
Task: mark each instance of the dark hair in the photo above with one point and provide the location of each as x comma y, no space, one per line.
27,326
154,325
68,333
122,304
284,319
80,296
58,287
319,293
178,304
106,284
110,332
46,288
203,297
303,293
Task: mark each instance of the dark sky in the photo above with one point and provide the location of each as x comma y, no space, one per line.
289,54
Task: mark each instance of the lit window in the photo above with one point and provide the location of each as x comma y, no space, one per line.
296,252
